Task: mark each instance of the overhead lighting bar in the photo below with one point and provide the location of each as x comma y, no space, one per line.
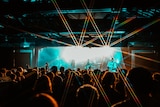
106,32
82,11
102,10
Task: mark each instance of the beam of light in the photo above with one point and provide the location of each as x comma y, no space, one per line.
138,56
66,89
95,44
84,30
134,32
101,89
91,97
65,22
40,36
91,41
126,21
93,22
121,24
91,100
112,29
85,26
114,24
146,58
141,65
129,88
109,36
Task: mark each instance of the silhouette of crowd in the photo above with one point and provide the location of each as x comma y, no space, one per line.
64,87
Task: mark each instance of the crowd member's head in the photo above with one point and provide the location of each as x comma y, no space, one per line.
42,100
3,71
20,69
87,79
141,80
87,96
156,86
108,79
156,76
43,84
54,69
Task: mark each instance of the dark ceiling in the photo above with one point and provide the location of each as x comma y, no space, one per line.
36,23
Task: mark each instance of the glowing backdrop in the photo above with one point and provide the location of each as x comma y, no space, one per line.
79,57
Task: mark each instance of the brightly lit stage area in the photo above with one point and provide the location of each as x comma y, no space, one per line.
79,57
82,57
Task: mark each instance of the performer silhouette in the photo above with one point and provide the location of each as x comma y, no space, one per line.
88,65
112,66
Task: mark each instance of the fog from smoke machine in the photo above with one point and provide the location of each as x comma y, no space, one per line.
79,57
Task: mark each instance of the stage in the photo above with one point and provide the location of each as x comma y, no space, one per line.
79,57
